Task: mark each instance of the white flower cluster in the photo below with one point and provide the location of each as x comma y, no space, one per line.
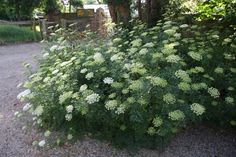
184,86
149,45
23,94
111,105
69,109
136,43
198,86
68,117
173,59
108,80
169,98
229,100
143,51
38,111
214,92
181,74
219,70
121,109
195,56
157,121
136,85
89,76
65,96
176,115
197,109
93,98
83,88
157,81
151,131
98,58
27,107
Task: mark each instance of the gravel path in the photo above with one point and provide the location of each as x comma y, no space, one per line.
14,142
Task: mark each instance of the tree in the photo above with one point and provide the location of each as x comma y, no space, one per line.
119,10
155,10
75,4
22,9
50,6
139,8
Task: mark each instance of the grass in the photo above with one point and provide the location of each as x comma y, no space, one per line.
16,34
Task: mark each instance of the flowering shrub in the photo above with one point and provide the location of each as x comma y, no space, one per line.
139,87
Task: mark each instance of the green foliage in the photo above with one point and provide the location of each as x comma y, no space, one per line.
140,87
17,9
76,3
13,34
50,6
216,9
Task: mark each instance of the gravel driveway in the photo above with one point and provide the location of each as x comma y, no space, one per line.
15,142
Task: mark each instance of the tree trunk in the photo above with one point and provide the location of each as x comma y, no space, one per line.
154,11
139,7
120,12
123,12
112,10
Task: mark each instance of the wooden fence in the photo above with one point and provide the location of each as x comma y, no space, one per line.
96,22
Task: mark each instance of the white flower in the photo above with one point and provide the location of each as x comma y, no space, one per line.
53,48
45,55
47,133
23,94
27,107
219,70
42,143
183,75
176,115
65,63
149,45
93,98
143,51
83,71
115,57
38,111
157,81
229,100
111,105
195,56
173,59
98,57
55,71
69,108
19,85
68,117
89,76
183,26
108,80
69,136
83,88
197,109
157,121
169,98
214,92
136,42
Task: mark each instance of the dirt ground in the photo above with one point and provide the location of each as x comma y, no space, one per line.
15,142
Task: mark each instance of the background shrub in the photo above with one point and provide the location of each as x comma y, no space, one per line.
13,34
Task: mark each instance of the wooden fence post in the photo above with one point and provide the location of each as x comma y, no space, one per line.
43,28
63,23
34,29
